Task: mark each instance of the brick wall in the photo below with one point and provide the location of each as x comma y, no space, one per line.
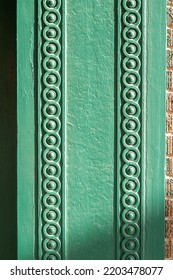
169,134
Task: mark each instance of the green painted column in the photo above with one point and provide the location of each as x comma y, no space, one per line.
26,123
90,133
140,127
91,128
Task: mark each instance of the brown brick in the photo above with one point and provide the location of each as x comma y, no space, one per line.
169,145
169,166
169,123
169,103
169,37
169,58
169,228
169,2
169,75
169,208
169,188
169,248
169,15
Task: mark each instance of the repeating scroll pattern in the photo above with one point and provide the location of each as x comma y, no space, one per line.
50,123
131,127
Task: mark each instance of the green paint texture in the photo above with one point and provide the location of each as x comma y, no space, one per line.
26,157
92,129
90,226
155,129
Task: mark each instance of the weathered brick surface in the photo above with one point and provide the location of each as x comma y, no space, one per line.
170,80
169,103
170,15
169,248
169,137
169,37
169,188
169,123
169,208
170,58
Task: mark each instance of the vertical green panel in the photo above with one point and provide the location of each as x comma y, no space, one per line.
50,129
130,107
90,226
155,129
26,129
88,134
141,129
8,204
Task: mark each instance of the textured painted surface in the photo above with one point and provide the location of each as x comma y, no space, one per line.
8,234
130,96
49,130
90,174
155,82
109,203
26,130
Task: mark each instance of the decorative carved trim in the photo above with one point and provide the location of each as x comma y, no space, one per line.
49,136
131,92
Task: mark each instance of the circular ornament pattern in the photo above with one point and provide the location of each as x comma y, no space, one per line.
51,48
130,215
51,18
131,155
51,33
51,3
51,94
131,94
131,18
51,200
131,49
131,140
131,125
131,3
51,110
130,200
51,140
130,185
51,125
51,64
131,110
130,230
131,64
51,185
51,155
51,230
51,170
51,257
51,244
131,33
51,79
131,79
130,245
51,215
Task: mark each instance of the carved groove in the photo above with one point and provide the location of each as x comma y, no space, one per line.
50,136
131,129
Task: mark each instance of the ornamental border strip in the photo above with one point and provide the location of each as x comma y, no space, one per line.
131,127
50,130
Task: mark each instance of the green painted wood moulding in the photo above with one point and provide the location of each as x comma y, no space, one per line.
91,129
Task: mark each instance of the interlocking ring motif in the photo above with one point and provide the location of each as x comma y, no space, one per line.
51,127
131,110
